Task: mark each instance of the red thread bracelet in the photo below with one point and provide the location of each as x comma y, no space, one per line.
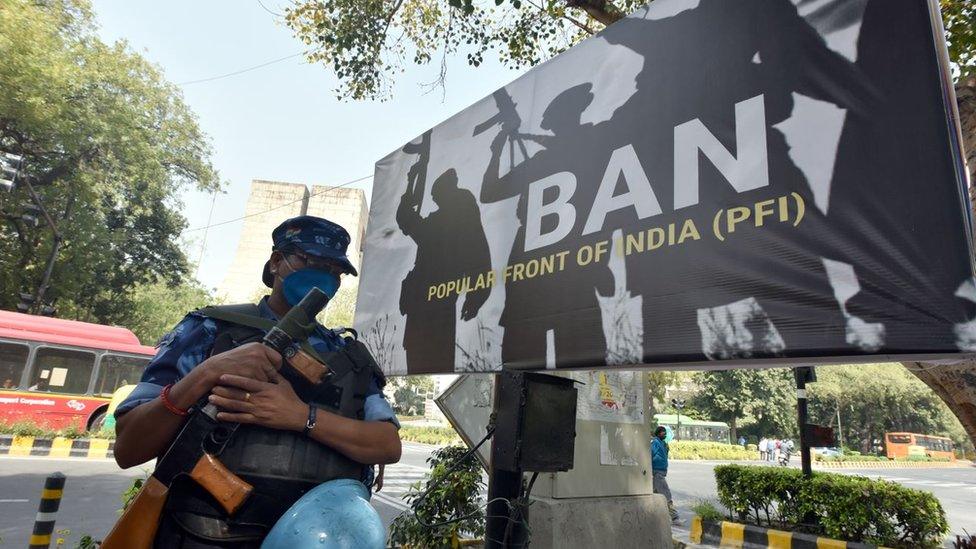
164,396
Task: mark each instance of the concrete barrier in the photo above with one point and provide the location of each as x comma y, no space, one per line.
92,448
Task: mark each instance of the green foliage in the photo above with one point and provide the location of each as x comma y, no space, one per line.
877,398
410,393
696,449
429,435
847,507
131,492
31,429
959,18
365,43
454,497
22,429
109,145
707,511
341,310
857,458
766,396
159,306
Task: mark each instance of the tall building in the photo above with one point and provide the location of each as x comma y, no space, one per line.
272,202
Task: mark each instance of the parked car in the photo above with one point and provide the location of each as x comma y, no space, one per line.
826,451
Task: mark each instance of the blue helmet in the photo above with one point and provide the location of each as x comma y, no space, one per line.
333,515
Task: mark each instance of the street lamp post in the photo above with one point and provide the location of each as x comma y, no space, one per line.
678,405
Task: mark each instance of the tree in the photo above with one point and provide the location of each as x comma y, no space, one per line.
410,393
366,42
734,395
157,307
872,399
109,145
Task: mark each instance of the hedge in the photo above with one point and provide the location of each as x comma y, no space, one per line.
849,508
859,458
440,436
696,449
30,429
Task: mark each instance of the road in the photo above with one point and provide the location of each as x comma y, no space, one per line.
93,487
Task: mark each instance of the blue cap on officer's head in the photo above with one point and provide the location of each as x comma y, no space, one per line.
314,236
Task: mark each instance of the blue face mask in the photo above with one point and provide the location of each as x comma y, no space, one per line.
300,282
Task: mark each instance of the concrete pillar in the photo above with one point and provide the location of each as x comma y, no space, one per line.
956,385
617,522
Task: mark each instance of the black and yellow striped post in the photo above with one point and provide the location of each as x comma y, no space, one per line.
47,511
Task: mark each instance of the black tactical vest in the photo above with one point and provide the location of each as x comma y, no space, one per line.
280,465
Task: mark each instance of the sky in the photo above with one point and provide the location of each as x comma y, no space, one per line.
281,122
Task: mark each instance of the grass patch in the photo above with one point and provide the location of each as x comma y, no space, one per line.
707,511
696,449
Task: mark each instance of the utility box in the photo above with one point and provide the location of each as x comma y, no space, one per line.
531,428
613,439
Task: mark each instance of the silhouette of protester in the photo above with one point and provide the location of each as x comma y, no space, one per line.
565,301
451,245
698,65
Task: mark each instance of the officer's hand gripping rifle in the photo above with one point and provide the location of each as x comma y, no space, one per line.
203,437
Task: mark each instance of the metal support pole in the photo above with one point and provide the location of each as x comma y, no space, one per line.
803,375
504,488
45,281
46,512
840,430
56,247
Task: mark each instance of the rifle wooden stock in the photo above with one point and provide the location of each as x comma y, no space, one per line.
227,488
312,370
137,526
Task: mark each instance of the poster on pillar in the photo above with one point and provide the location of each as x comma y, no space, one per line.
705,183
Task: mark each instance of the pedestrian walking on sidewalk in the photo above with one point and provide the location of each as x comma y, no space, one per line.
659,468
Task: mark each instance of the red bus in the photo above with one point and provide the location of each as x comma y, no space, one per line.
59,373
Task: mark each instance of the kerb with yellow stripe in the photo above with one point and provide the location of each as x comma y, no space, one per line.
59,447
733,535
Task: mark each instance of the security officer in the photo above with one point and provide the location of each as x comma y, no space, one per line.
284,446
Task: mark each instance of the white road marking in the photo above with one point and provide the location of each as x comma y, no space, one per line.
396,466
951,484
391,502
14,500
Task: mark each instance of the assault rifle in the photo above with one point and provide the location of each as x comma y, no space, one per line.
202,438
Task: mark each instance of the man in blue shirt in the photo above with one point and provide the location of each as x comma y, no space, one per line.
245,384
659,468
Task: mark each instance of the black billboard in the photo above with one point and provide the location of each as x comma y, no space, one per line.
706,182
